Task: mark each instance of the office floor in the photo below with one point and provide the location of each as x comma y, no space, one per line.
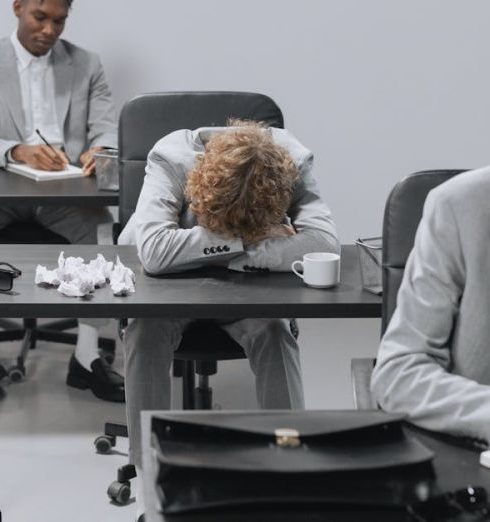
49,471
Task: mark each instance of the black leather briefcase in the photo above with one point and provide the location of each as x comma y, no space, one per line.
221,459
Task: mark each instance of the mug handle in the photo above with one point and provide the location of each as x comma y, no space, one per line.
294,269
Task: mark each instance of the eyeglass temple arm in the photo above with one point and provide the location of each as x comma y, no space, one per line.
15,269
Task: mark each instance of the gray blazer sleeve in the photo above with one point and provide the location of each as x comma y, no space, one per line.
162,245
413,370
101,119
312,220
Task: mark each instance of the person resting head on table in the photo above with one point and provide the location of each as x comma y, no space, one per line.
242,197
59,89
434,360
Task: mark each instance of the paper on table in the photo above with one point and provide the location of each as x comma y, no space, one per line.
45,175
122,279
75,278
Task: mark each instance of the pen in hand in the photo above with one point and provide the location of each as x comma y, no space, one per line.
59,154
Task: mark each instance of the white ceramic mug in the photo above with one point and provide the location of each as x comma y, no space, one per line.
320,269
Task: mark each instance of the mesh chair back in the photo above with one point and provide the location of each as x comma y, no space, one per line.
403,212
147,118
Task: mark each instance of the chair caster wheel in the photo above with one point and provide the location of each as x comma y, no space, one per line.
104,444
16,374
119,492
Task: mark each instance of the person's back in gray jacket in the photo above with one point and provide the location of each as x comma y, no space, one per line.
434,360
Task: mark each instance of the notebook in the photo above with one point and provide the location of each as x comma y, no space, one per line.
45,175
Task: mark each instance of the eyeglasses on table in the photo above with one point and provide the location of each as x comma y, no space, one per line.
8,273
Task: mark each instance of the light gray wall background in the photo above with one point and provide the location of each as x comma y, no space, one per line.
377,89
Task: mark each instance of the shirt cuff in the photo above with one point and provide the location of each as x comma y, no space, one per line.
8,155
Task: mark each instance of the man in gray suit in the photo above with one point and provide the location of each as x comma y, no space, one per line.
59,89
243,198
434,360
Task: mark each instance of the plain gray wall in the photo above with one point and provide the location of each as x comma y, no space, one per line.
377,89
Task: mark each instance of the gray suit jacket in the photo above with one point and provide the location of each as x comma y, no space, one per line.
434,360
83,100
169,239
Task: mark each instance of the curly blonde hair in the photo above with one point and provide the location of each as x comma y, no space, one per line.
242,185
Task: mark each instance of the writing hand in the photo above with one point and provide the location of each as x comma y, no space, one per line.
40,157
88,161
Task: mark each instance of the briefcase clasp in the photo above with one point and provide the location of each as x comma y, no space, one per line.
287,438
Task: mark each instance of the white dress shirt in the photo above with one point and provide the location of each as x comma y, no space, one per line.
38,95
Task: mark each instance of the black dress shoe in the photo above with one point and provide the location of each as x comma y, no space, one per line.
104,382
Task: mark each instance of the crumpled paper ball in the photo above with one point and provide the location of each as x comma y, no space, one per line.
122,279
76,288
47,277
75,278
101,269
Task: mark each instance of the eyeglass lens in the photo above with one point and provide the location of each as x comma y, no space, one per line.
6,280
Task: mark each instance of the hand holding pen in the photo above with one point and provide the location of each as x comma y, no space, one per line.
57,156
43,157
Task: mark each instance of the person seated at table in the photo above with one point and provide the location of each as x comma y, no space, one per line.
242,197
53,86
434,360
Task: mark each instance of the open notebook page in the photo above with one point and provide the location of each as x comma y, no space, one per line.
45,175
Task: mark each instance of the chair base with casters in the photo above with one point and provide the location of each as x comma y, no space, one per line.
29,331
190,359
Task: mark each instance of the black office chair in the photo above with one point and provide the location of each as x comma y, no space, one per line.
402,215
143,121
29,331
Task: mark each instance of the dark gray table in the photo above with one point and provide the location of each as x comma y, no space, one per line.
16,190
455,468
216,293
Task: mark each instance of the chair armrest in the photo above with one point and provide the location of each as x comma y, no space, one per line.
361,370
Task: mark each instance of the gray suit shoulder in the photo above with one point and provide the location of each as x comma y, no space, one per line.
465,192
77,54
7,52
174,141
176,148
296,149
180,149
